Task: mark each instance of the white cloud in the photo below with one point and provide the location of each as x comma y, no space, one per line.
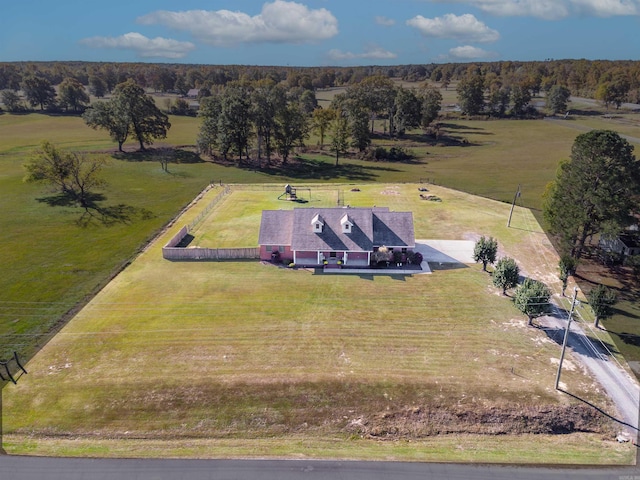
467,52
384,21
143,46
553,9
279,22
371,53
464,28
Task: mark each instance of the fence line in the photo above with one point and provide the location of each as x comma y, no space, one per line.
208,208
172,253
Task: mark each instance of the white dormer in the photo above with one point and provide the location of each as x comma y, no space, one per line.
317,223
347,224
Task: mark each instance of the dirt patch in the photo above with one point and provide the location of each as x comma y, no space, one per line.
423,422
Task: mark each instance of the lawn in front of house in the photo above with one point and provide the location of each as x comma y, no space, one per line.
246,352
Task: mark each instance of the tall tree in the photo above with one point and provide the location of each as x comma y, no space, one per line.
520,98
111,116
431,104
209,111
291,129
267,100
11,101
532,299
597,190
74,175
147,121
339,135
557,99
601,300
97,86
506,274
234,121
73,95
38,91
471,92
322,118
407,111
129,112
567,266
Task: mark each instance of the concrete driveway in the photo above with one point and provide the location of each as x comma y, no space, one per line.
446,251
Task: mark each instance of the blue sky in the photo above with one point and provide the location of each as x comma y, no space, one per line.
318,32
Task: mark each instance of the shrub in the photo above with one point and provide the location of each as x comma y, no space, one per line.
381,154
506,274
414,258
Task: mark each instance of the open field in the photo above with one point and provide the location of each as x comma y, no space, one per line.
241,358
55,262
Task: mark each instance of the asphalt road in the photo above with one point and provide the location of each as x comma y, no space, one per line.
38,468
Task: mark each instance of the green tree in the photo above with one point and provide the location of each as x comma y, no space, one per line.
111,116
97,86
147,121
485,251
340,135
520,98
308,102
407,111
130,112
359,127
291,129
595,191
73,95
267,100
234,120
73,175
38,91
567,266
532,299
322,118
11,101
431,99
557,99
601,300
471,92
207,140
376,96
506,274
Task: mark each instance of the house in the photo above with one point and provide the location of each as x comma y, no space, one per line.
311,236
624,245
193,93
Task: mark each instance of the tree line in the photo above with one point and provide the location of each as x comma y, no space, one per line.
612,82
270,119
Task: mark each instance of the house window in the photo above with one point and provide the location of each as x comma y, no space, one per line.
281,249
333,255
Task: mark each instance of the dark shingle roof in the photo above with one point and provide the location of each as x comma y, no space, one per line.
372,227
276,227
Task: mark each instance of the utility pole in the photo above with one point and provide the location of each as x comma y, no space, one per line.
566,335
513,205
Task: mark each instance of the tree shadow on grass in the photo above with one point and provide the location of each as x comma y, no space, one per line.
95,214
309,169
161,154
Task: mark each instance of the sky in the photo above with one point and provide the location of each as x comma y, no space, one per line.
318,32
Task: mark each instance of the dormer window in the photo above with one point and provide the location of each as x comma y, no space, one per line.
347,224
317,223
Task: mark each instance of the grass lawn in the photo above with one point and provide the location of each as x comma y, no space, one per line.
241,358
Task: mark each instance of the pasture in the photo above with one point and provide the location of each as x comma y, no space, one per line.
219,359
58,256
